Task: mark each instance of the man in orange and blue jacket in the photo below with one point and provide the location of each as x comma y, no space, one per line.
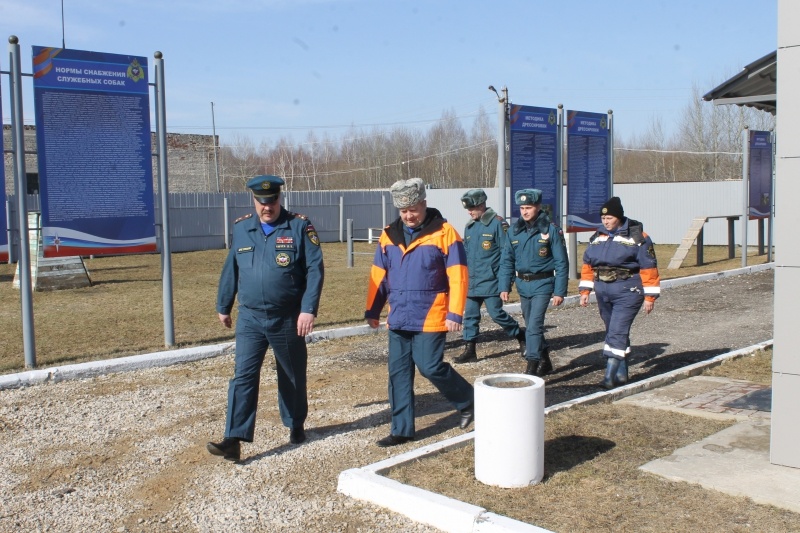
420,269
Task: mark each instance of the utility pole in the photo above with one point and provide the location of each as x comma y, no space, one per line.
214,130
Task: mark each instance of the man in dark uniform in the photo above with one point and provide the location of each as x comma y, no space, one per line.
484,238
534,254
275,265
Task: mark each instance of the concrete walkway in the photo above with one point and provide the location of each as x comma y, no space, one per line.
734,461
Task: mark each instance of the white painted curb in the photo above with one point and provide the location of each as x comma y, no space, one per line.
120,364
368,484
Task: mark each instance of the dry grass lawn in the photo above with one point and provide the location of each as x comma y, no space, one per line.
122,312
592,478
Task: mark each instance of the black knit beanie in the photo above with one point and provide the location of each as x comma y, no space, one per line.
613,207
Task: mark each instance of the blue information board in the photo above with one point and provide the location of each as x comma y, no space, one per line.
94,149
533,156
588,171
3,213
760,203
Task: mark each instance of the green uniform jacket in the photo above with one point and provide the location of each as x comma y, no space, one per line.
484,240
279,273
535,249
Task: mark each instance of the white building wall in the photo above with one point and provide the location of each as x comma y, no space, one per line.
785,435
666,209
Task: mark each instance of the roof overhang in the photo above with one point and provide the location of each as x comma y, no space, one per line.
754,86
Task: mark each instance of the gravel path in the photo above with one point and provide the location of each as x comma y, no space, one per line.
126,452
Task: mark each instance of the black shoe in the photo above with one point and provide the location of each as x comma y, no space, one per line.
297,435
531,368
229,448
523,348
467,415
468,355
393,440
545,365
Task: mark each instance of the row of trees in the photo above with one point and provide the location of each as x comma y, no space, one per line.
706,146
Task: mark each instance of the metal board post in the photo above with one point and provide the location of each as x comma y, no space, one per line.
21,186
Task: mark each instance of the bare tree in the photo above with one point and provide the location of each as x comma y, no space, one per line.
483,158
241,162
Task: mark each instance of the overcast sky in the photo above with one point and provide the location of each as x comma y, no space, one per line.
283,67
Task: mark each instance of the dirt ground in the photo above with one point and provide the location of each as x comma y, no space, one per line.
126,452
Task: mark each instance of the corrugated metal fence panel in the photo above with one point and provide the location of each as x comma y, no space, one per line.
197,220
667,209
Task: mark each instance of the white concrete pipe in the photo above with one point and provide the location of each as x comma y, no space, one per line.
509,430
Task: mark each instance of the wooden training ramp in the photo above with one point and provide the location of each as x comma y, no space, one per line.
695,233
686,244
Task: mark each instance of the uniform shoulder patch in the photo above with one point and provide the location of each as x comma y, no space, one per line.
312,235
503,222
298,215
248,215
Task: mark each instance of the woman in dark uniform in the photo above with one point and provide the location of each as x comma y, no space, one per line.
620,266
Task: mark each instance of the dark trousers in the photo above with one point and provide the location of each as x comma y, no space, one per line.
494,306
255,332
426,351
618,303
533,310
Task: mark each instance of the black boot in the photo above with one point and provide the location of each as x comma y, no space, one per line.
609,381
228,448
523,348
621,376
531,368
468,355
545,365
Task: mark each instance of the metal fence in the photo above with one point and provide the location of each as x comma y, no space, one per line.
198,221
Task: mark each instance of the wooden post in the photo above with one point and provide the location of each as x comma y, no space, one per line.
700,248
731,243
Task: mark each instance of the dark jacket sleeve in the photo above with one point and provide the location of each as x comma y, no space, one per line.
315,270
228,284
561,261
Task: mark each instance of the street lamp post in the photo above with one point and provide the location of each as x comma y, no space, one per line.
502,102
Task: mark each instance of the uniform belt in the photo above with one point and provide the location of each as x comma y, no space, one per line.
527,276
612,274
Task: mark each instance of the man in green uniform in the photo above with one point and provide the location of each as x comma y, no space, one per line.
484,238
535,257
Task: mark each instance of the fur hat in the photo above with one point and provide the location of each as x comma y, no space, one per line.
613,207
528,197
473,198
406,193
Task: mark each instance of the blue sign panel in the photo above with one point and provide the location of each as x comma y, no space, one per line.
533,155
93,140
760,203
588,176
3,214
